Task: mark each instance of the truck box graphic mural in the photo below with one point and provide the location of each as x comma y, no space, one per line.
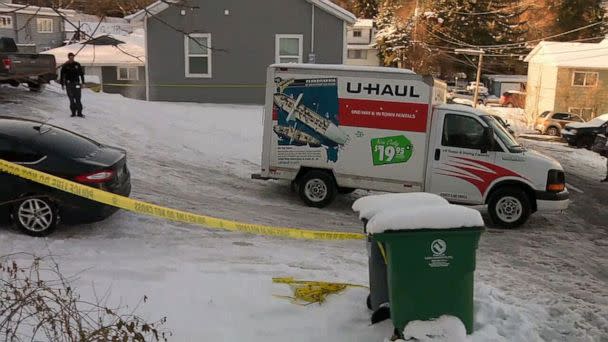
307,114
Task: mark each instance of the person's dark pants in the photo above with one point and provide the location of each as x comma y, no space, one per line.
74,91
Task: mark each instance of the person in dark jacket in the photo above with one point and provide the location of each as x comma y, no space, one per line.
72,79
606,155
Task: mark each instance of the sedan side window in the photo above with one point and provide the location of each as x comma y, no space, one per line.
462,131
560,116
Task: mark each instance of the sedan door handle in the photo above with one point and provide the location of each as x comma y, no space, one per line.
437,154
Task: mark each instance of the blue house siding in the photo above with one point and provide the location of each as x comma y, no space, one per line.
243,45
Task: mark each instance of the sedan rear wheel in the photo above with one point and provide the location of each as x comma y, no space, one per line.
36,216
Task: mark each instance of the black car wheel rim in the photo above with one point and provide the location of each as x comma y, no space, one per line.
35,215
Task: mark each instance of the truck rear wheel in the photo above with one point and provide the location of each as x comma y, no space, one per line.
509,207
317,188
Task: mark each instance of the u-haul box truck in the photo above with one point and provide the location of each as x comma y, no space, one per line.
331,129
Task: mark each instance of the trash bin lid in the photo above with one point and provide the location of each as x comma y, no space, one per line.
425,217
369,206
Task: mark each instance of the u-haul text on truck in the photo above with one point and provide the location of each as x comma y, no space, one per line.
331,129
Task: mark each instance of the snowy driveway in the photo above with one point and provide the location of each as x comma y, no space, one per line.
546,281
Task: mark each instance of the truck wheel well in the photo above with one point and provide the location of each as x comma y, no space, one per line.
515,184
305,170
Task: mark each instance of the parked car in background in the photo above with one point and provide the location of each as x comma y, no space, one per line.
35,70
504,123
513,99
582,134
465,97
552,123
36,209
482,88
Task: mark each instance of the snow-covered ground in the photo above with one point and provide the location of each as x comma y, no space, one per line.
547,281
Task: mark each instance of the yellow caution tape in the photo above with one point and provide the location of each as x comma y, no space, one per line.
141,207
310,292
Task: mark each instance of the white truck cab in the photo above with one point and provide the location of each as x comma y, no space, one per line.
332,129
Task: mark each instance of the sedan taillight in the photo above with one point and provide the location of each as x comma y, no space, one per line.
96,178
7,63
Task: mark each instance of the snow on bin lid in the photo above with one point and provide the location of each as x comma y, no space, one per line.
425,217
369,206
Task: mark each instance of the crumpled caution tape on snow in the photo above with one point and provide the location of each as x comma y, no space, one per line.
310,292
144,208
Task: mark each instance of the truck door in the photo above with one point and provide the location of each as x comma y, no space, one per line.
461,162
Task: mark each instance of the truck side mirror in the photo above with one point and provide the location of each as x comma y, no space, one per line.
488,140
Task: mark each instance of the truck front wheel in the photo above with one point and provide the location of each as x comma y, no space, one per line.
317,188
509,207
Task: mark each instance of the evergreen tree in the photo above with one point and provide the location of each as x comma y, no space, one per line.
494,25
365,8
574,14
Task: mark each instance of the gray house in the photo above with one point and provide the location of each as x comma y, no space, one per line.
218,51
35,29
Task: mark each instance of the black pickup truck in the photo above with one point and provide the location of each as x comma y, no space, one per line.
32,69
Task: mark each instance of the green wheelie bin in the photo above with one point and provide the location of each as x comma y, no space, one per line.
431,272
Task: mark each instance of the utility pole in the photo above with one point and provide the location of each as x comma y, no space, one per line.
480,54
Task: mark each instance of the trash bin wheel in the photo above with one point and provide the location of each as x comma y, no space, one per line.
369,301
509,207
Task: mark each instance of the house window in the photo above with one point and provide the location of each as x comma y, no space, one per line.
128,74
198,55
357,54
357,33
585,79
584,112
44,25
6,22
288,48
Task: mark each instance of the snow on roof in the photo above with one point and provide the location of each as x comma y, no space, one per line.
27,9
325,5
568,54
362,47
425,217
369,206
130,53
507,78
364,23
342,67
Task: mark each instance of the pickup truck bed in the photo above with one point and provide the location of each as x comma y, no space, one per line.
32,69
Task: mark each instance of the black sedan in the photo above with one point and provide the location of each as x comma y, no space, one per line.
36,209
582,134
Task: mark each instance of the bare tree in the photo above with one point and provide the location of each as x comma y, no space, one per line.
38,303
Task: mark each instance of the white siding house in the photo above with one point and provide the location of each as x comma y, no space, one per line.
568,77
360,38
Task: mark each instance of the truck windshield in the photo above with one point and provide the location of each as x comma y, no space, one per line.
504,135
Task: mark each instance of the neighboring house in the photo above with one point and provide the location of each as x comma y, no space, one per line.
219,50
116,63
499,84
568,77
80,26
361,38
33,28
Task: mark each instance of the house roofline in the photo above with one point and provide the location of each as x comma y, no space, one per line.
335,10
326,5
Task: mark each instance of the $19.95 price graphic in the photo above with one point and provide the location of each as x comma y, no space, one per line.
391,150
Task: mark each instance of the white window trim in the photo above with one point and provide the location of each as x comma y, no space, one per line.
39,20
127,79
597,78
10,18
188,55
277,47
